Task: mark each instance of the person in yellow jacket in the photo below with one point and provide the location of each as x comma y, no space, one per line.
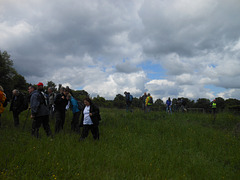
149,102
2,100
214,110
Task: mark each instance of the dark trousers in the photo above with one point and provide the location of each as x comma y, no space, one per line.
51,112
37,122
60,120
94,129
75,122
16,118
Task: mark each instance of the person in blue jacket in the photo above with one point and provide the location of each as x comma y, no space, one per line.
74,106
169,106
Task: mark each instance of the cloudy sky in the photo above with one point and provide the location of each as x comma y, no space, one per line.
166,47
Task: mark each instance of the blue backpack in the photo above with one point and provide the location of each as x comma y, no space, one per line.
129,97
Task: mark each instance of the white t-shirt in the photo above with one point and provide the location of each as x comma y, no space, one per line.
87,119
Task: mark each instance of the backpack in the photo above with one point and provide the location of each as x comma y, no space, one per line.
150,100
130,98
25,102
80,105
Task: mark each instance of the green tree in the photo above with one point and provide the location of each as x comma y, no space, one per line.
100,101
51,84
10,79
203,103
220,103
119,101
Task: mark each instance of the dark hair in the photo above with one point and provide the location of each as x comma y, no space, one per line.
32,87
88,100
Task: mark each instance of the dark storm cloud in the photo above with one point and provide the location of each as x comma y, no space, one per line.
176,27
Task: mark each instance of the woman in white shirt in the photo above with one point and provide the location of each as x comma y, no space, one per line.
90,119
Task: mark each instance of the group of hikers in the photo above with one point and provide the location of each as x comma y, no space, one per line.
147,101
42,105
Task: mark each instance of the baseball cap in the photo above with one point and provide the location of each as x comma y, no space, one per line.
40,84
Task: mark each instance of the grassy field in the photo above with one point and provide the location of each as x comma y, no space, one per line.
131,146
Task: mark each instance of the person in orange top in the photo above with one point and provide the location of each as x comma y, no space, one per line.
2,100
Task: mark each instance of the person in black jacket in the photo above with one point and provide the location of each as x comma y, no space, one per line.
39,110
16,106
61,102
90,119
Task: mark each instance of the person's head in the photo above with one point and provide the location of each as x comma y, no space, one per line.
40,86
69,96
50,90
125,92
87,101
15,92
61,90
169,99
65,91
149,94
145,94
1,88
214,100
31,89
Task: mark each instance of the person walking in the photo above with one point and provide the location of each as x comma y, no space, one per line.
129,99
61,102
51,98
169,106
3,100
214,110
16,106
39,111
76,113
90,119
149,102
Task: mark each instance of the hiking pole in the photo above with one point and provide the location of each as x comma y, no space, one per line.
26,119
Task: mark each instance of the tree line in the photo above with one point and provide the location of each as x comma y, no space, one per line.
11,79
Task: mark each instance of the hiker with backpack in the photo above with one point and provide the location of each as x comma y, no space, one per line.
76,108
143,98
129,99
149,102
51,98
60,102
90,119
169,106
17,105
3,101
39,111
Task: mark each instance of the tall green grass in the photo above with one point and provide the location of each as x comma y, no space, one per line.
132,146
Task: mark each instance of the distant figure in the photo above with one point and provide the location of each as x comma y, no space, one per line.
183,105
90,119
39,111
76,113
51,98
169,106
16,106
61,102
3,101
129,99
143,98
149,102
214,109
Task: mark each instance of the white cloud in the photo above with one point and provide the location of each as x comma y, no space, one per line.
84,44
